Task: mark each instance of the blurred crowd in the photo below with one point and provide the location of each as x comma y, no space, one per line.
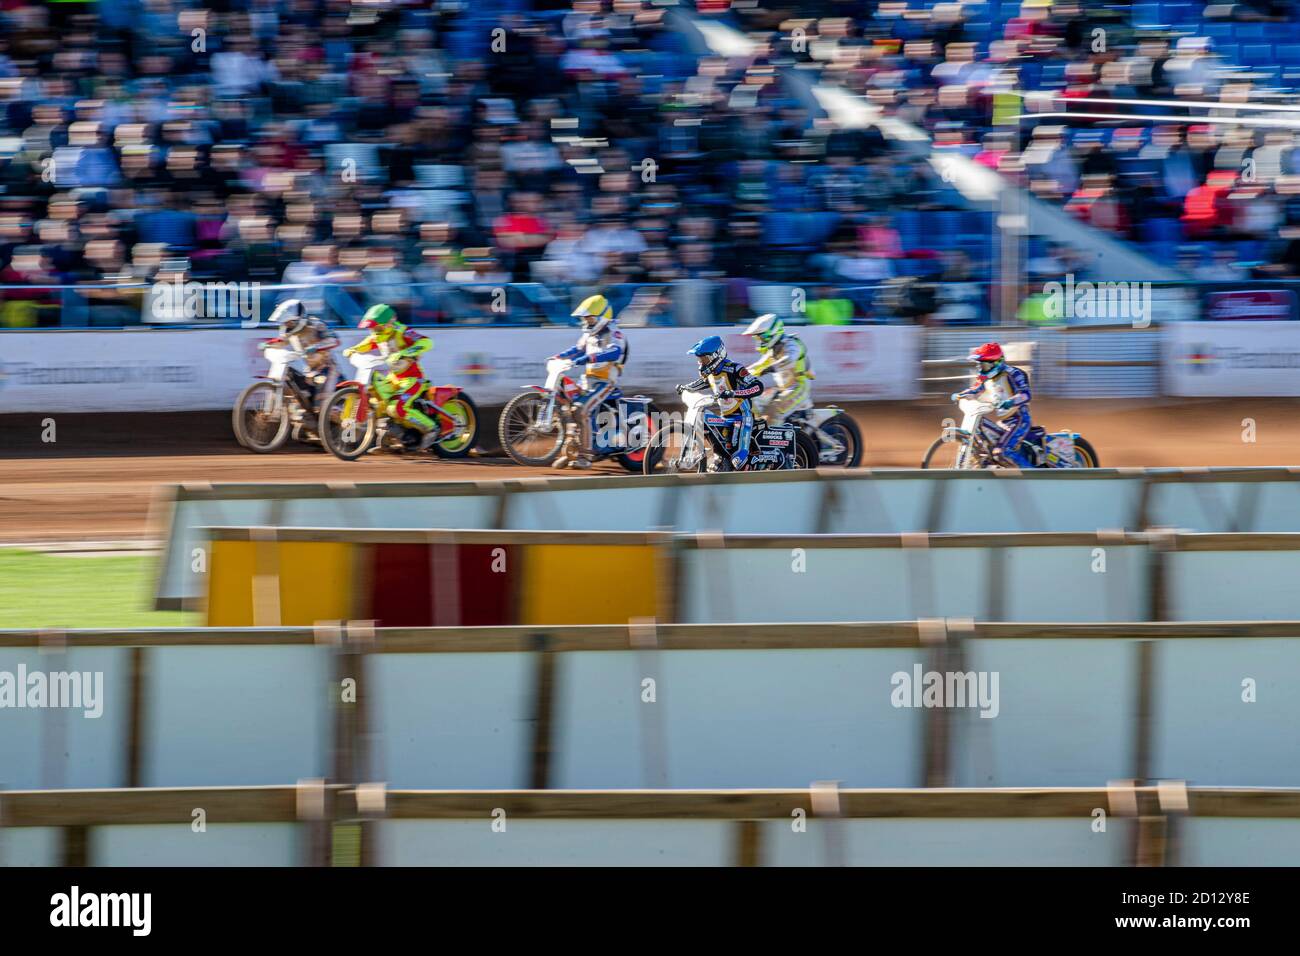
400,146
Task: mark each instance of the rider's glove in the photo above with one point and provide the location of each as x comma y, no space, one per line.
348,351
1006,404
680,389
726,393
954,396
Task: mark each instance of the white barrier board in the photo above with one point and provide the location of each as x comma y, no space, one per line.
1232,358
168,370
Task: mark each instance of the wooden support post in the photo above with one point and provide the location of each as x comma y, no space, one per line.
749,849
539,776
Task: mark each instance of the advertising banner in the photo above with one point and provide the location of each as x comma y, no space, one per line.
157,370
1250,305
1231,359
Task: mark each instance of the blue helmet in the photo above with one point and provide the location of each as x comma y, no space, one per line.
710,352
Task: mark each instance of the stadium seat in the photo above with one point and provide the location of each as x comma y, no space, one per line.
1257,54
440,177
1247,32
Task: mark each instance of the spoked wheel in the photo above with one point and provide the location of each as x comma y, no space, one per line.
464,413
946,452
674,450
261,417
339,429
522,437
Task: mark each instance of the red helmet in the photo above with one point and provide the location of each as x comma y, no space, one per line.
988,352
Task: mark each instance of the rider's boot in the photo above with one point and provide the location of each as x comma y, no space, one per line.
1014,456
428,440
570,451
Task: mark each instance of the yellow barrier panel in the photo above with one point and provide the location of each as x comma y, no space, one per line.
587,584
318,582
230,584
286,583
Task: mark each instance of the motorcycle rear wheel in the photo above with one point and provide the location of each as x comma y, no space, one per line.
806,452
844,430
1085,454
257,428
336,413
463,409
634,460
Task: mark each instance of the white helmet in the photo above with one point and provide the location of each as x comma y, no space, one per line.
291,316
767,329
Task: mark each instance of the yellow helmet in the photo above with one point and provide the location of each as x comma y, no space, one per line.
595,313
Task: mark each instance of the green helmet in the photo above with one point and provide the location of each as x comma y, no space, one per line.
378,316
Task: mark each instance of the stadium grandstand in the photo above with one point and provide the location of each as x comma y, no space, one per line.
405,150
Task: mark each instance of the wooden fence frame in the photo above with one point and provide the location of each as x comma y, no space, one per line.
322,808
943,641
506,491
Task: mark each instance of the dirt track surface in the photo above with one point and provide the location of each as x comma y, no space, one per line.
97,481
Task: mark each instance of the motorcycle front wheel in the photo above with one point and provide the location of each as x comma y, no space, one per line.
673,451
339,430
258,425
522,438
947,453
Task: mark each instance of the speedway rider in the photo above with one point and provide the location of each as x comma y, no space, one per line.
309,335
734,386
786,356
405,381
601,352
1007,389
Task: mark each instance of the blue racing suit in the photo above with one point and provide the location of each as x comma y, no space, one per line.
1008,390
601,357
735,387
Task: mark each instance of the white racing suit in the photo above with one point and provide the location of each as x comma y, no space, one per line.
792,375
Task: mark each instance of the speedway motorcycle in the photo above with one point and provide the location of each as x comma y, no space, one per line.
535,424
697,443
967,446
836,435
284,402
355,420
